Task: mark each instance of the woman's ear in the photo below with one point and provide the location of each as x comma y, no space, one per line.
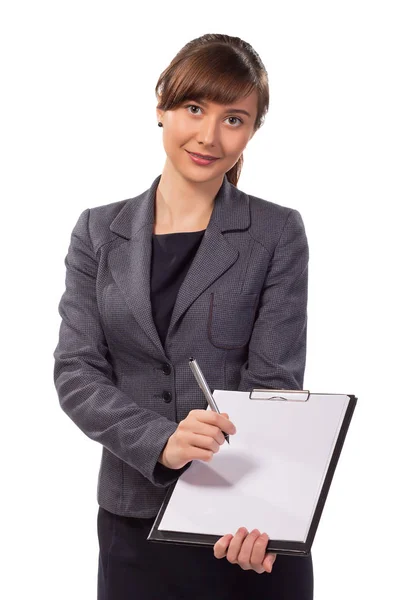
159,114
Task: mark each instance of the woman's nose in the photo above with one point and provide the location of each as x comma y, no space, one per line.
208,133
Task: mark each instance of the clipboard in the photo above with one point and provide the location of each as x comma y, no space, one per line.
274,475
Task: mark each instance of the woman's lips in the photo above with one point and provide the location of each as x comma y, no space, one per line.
201,161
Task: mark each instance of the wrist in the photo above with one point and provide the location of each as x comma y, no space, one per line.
161,458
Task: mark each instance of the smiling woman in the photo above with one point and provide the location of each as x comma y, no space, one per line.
193,266
224,109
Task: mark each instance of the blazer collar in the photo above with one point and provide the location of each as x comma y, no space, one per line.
231,210
130,262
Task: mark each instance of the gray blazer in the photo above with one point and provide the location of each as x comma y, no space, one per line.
241,312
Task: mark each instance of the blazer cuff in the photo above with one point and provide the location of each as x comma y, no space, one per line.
163,476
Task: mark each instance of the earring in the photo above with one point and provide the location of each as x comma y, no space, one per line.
160,124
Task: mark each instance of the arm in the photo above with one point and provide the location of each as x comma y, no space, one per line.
277,348
83,376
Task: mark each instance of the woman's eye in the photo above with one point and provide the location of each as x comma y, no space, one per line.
190,106
237,119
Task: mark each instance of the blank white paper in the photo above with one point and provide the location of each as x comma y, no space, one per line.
270,475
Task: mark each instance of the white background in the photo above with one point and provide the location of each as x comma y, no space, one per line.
78,129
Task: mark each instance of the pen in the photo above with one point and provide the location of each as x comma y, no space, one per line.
204,386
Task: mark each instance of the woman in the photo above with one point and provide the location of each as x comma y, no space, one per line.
191,267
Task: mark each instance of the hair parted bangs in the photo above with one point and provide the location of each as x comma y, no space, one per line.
207,76
215,68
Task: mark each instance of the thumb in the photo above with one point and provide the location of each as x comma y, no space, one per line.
225,415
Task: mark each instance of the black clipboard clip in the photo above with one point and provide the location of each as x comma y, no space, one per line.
287,395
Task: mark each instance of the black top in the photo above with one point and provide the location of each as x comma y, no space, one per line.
172,255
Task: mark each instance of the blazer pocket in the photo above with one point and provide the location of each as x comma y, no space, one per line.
231,318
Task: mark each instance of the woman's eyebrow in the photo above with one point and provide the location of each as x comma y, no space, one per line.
232,109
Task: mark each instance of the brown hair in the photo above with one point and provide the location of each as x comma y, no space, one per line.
218,68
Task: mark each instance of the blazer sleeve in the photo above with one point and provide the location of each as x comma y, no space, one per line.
83,375
277,347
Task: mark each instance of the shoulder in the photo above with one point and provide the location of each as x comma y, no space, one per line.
270,220
94,222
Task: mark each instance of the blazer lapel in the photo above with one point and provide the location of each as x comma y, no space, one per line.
130,262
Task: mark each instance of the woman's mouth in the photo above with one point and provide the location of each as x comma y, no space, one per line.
200,160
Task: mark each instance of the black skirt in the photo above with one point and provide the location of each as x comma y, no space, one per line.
132,568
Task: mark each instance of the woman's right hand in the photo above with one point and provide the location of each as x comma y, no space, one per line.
198,437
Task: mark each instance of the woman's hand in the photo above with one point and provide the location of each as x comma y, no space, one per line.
246,550
198,437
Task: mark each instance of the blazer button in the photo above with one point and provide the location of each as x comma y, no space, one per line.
166,369
167,396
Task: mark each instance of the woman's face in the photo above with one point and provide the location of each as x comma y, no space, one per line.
210,129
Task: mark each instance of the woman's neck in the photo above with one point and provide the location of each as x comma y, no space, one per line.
182,204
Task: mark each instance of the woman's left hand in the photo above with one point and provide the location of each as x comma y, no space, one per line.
246,550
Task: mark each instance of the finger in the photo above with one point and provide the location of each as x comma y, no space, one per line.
221,546
221,436
213,418
236,544
246,551
268,561
200,427
226,424
212,432
258,553
206,442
